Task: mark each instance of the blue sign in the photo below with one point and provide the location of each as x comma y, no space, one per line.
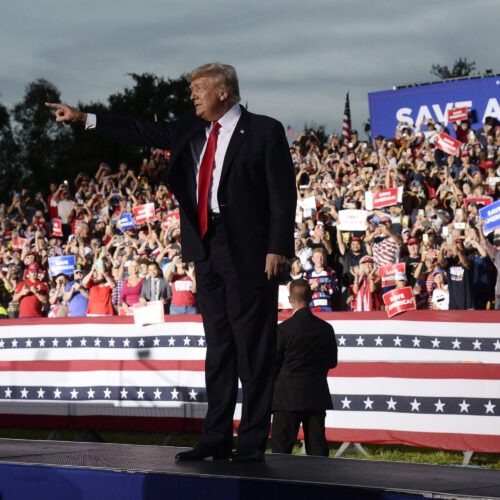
491,216
64,264
415,105
126,222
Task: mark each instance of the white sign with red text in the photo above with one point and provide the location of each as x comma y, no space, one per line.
57,227
458,114
352,220
387,273
144,213
446,143
383,198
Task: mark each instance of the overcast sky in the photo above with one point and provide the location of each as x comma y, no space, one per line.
295,60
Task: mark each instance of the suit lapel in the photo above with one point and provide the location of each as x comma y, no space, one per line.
239,135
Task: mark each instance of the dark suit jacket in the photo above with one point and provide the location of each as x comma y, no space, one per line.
256,196
164,289
306,350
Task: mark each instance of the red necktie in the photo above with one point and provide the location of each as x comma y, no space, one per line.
205,177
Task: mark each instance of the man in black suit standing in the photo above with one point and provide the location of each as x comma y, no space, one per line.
233,176
155,287
307,349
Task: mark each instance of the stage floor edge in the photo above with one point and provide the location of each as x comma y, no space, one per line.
61,470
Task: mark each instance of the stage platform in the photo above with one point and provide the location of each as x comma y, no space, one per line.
59,470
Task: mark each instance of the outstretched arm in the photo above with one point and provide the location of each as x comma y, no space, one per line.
66,114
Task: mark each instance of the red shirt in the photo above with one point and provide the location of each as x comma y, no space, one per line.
29,305
182,294
100,299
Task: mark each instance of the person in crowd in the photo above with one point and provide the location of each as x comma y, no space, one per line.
237,264
132,287
493,251
412,260
323,281
383,243
9,277
76,295
182,279
440,299
57,306
31,294
306,351
155,287
100,284
366,287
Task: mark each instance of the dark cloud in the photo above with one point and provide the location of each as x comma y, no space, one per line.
295,60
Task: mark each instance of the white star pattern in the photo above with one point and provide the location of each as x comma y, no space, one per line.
379,341
497,345
187,341
140,394
439,406
157,393
397,342
14,343
8,393
41,393
57,393
29,343
175,394
464,407
416,342
456,344
111,342
360,341
368,403
193,394
435,343
156,342
477,345
83,343
342,340
55,343
201,342
126,343
41,342
346,403
90,393
141,342
69,343
415,405
107,393
123,393
171,341
490,408
391,404
24,393
97,342
2,344
74,394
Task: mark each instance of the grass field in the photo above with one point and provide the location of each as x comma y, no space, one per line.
391,453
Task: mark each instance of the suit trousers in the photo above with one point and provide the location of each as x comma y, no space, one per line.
240,324
286,426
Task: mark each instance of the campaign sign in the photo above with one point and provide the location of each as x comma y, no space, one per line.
64,264
399,300
149,314
172,219
446,143
18,242
352,220
144,213
387,273
458,114
491,216
383,198
126,222
480,201
418,103
57,227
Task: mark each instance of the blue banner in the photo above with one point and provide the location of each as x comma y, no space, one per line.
126,222
64,264
491,216
414,105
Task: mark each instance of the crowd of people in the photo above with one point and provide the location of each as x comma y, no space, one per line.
435,230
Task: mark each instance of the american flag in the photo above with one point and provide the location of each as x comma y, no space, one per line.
427,379
291,132
346,123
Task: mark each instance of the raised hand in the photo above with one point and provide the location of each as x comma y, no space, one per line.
66,114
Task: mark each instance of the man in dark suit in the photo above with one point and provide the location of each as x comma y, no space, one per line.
155,287
307,349
238,248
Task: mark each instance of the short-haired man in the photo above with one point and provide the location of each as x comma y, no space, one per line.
306,350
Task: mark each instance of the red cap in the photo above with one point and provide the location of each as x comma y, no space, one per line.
33,267
413,241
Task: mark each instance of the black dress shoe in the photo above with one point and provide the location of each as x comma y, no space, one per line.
200,452
246,456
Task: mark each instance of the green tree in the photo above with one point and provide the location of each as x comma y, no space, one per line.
9,153
43,144
461,67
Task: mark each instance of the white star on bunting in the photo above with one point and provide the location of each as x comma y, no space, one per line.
157,393
346,403
415,405
379,341
175,393
193,394
57,393
464,407
391,404
171,341
368,403
439,406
